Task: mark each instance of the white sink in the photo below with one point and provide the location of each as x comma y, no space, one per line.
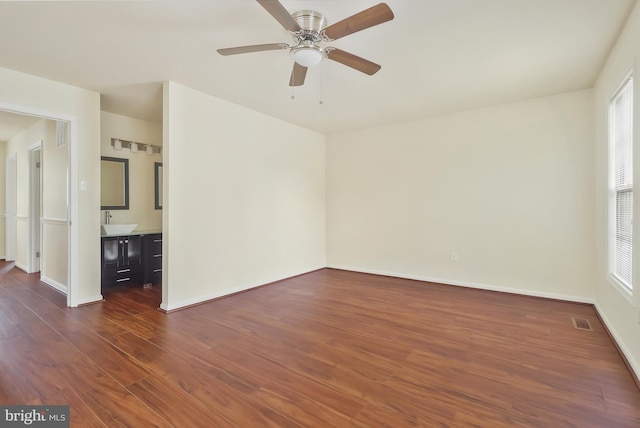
118,229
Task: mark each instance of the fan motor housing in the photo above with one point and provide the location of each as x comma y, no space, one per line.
311,23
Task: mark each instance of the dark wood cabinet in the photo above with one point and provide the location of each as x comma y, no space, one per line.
152,250
132,258
121,259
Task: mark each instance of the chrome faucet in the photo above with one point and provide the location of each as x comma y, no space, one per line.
107,216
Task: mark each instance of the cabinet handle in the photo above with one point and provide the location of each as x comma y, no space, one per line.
157,255
157,240
123,270
157,270
123,279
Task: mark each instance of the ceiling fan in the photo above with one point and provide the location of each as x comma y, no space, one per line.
308,29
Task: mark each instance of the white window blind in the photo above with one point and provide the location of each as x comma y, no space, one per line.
621,140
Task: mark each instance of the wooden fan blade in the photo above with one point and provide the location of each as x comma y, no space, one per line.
275,9
353,61
253,48
360,21
298,74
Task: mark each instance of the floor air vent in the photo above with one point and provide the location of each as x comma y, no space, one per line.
581,324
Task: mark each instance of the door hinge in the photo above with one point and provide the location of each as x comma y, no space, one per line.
37,164
38,254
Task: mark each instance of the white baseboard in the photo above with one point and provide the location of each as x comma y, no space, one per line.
524,292
21,267
633,363
54,284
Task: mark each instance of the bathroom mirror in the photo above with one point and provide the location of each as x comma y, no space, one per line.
114,183
158,186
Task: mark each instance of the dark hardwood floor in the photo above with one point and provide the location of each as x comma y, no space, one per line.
326,349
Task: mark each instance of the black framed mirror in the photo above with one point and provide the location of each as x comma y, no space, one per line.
114,183
158,184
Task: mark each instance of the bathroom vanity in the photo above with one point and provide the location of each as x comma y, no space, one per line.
132,258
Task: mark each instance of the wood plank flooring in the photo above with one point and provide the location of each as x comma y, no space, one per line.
326,349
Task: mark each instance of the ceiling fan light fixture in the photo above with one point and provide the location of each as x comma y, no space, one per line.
308,29
307,54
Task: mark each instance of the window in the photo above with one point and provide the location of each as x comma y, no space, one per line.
621,184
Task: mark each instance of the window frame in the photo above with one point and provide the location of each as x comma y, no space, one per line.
613,190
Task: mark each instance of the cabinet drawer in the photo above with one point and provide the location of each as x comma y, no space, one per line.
155,261
156,246
154,243
111,276
156,275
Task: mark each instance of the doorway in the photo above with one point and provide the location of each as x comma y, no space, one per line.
40,201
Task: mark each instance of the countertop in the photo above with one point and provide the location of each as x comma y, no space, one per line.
135,232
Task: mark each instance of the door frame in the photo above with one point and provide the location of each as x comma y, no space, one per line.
34,219
11,204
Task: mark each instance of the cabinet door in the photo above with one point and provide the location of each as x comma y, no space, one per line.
133,250
111,252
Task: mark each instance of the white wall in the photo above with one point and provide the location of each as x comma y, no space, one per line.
621,311
55,212
509,188
244,198
141,168
21,92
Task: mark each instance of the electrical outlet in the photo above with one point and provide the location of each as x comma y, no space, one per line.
454,256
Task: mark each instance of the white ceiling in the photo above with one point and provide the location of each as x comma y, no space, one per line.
437,56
